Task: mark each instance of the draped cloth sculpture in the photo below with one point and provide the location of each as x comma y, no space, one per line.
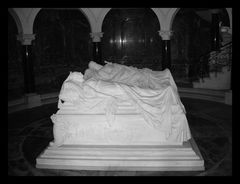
117,105
153,94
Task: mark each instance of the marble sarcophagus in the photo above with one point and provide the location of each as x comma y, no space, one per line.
116,117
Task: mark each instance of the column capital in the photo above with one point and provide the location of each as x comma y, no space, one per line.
96,36
165,34
26,39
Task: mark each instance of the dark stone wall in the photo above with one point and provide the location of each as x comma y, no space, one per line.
62,44
191,40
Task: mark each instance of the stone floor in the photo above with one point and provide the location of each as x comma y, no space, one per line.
30,131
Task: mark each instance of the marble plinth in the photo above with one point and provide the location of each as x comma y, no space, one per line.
93,129
185,157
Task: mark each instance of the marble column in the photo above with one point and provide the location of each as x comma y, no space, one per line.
166,49
97,48
32,99
215,34
27,61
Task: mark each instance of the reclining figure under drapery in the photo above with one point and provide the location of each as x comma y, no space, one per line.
102,90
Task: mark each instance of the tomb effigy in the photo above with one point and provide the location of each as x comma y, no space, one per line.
116,117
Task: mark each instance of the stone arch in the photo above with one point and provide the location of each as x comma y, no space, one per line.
32,17
85,11
16,19
106,10
89,16
101,17
160,17
171,16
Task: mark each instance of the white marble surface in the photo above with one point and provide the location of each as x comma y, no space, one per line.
116,104
120,118
127,129
128,158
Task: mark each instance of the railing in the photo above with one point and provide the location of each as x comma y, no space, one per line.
214,61
221,58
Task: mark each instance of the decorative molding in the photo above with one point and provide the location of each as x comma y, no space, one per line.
96,36
26,39
165,34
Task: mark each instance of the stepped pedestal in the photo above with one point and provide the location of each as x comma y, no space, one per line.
184,157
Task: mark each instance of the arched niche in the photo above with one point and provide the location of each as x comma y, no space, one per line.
15,70
62,44
104,12
34,12
225,15
131,37
191,40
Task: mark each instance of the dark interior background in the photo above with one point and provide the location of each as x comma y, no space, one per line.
131,37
